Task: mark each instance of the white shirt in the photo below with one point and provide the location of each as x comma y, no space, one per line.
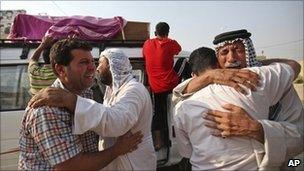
283,136
129,109
207,152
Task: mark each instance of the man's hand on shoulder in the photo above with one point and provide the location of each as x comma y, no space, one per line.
54,97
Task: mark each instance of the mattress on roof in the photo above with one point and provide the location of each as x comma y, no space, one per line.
84,27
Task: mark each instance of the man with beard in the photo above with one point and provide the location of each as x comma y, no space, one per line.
47,141
282,133
194,139
127,107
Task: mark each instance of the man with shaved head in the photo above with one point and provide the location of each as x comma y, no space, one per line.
192,128
282,133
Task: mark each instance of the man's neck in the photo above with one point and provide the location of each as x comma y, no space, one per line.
162,37
71,89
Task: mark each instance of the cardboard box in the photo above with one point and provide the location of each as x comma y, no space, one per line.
134,31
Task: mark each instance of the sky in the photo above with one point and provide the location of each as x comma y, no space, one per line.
276,26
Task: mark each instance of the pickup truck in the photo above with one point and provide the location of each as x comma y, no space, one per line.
14,95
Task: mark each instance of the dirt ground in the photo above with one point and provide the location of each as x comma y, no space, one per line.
300,90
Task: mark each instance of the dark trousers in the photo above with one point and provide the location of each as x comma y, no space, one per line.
160,120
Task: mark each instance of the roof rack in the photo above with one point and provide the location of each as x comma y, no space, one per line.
33,43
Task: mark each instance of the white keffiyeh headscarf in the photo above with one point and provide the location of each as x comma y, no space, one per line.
120,67
251,59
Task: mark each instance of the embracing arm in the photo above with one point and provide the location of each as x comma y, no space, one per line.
283,141
106,121
229,77
100,159
233,77
91,115
89,161
198,83
282,138
284,133
64,150
235,122
114,120
177,92
292,63
54,97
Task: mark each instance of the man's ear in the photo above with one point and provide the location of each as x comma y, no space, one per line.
155,34
60,69
193,75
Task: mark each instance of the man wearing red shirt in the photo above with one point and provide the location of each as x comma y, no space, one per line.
163,77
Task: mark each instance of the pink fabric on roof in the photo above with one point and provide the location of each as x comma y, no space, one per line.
85,27
88,28
30,26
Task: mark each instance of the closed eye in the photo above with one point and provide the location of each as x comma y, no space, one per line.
224,52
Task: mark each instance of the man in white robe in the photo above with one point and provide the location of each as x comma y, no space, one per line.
282,131
194,138
127,107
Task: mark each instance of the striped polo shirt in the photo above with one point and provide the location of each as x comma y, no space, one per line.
40,76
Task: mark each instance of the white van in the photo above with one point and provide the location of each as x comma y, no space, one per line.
14,96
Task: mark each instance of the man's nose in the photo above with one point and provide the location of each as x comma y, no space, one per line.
231,57
91,66
98,69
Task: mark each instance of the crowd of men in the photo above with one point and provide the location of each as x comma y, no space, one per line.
235,113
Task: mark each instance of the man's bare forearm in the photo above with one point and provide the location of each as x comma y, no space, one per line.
46,42
89,161
198,83
98,160
257,132
37,53
71,102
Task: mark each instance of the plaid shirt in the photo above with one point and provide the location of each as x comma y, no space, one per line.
46,137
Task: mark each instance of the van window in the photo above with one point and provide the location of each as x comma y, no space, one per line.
14,87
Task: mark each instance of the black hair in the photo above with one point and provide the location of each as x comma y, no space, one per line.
162,29
202,59
61,51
